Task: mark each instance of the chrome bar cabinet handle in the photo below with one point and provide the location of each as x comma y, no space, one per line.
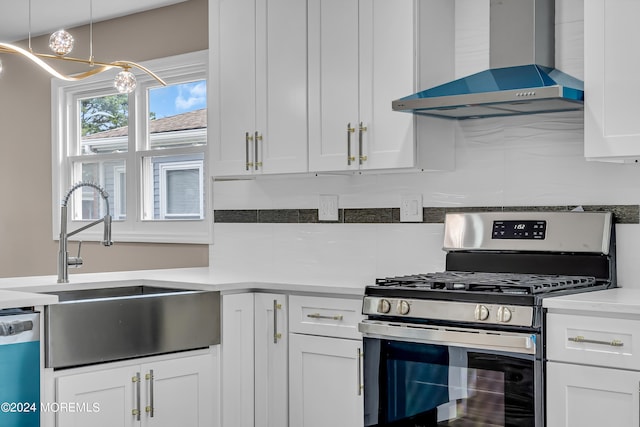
612,343
276,335
360,385
247,148
256,138
361,130
350,158
136,411
322,316
150,409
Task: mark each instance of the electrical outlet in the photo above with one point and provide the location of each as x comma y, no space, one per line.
411,208
328,207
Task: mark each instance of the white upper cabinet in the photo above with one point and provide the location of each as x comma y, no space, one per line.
361,57
306,86
611,38
258,96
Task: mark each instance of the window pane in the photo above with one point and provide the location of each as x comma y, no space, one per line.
174,187
104,124
178,115
182,188
111,176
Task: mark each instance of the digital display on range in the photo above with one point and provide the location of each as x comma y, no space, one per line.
519,230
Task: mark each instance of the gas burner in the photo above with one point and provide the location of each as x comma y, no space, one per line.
464,281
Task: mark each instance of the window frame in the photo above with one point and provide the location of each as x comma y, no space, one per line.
65,138
163,168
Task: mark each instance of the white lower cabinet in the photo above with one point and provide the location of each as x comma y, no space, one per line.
325,382
588,396
111,389
325,362
177,391
291,360
271,364
254,360
237,373
593,370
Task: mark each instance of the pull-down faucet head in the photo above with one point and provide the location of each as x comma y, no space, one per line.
64,260
106,236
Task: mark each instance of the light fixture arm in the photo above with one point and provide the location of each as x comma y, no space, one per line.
98,67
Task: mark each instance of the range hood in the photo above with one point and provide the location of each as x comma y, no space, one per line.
522,78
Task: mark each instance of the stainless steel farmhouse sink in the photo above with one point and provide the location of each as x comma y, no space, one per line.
90,326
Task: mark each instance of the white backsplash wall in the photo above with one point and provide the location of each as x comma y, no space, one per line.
527,160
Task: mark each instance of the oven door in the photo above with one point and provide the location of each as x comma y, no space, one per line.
417,375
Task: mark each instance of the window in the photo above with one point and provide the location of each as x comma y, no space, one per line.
177,187
147,149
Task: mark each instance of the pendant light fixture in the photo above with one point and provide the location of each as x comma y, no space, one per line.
61,44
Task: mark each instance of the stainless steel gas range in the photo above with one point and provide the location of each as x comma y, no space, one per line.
465,347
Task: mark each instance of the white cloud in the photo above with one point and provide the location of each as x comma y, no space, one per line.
190,96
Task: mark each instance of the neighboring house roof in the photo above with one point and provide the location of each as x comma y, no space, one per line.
186,121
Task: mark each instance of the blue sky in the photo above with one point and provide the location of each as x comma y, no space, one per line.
177,99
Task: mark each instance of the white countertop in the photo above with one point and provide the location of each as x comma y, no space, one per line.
618,301
18,299
25,291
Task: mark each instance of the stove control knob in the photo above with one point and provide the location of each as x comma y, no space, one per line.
504,314
481,312
403,307
384,306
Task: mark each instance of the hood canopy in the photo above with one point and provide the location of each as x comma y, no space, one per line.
522,79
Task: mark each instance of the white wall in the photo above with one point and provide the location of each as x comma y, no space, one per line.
26,246
528,160
535,161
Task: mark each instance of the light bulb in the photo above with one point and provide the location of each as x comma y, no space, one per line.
125,81
0,65
61,42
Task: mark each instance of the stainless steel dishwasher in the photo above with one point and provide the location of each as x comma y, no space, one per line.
19,368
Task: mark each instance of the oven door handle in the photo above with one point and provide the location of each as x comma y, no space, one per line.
513,342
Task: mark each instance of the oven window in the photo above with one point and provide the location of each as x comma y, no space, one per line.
414,385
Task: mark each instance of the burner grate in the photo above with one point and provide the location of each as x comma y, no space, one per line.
489,282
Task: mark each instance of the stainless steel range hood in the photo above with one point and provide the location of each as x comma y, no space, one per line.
522,78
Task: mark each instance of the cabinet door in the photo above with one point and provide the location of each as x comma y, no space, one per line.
237,360
611,125
179,392
585,396
258,104
232,94
271,364
324,383
281,54
112,390
361,57
387,72
333,83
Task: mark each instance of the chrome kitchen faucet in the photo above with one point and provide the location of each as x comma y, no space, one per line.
64,260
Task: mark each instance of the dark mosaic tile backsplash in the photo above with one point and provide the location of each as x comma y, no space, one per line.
623,214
